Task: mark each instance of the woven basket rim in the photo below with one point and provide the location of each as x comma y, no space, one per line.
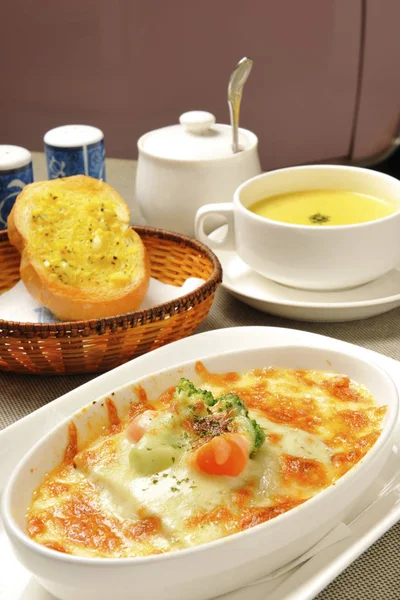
139,316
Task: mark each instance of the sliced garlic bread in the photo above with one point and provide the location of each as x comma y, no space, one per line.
79,257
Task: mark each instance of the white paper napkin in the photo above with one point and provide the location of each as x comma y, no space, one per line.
18,305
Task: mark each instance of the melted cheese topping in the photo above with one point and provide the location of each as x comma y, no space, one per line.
318,425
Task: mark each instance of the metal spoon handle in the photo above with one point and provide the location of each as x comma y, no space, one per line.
235,89
234,109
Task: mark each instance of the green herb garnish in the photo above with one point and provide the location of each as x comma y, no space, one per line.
318,218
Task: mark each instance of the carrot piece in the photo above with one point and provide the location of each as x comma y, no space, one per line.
226,454
138,427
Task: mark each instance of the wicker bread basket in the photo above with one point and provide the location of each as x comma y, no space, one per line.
102,344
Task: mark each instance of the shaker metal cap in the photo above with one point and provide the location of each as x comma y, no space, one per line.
196,138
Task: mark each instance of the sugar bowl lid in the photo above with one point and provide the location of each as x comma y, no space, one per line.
196,138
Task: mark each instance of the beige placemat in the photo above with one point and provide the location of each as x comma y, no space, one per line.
376,574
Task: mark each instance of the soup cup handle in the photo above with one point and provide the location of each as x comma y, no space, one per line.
223,209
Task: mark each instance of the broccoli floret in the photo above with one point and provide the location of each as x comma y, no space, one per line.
232,403
186,388
229,404
259,435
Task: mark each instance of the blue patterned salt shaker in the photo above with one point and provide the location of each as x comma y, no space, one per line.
15,173
74,150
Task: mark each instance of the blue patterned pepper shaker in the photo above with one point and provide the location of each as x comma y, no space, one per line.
73,150
15,173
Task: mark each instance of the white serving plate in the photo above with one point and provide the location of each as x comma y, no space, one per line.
368,300
380,505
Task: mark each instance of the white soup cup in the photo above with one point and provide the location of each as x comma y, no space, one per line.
308,257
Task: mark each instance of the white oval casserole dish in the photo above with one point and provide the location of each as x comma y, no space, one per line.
217,567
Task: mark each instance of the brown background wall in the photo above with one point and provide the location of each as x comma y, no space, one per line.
129,66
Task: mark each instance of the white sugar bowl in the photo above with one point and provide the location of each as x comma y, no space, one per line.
182,167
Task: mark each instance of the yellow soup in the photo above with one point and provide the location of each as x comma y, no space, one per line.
323,207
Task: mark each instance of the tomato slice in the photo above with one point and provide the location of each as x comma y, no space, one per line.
226,454
138,427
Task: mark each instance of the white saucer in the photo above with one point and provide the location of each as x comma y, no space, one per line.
367,300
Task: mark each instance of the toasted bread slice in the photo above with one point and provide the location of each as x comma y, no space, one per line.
79,257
